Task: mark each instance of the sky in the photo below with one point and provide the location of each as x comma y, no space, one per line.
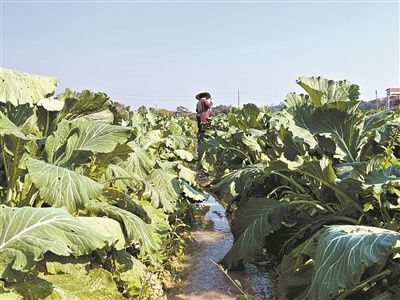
162,53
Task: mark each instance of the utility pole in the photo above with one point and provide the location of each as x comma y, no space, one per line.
377,100
238,99
387,100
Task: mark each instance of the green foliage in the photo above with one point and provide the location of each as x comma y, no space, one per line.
319,161
254,221
96,193
93,284
81,178
50,180
19,88
28,233
333,260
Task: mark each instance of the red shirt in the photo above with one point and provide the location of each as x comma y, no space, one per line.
203,109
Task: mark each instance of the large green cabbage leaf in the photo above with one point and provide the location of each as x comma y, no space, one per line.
249,116
236,182
27,233
101,161
107,227
140,161
74,142
73,106
384,176
183,155
162,189
21,88
89,284
382,180
344,129
322,173
191,193
186,174
336,258
322,90
93,284
377,120
134,227
62,187
329,115
254,221
86,105
291,143
87,137
177,141
343,253
123,178
9,128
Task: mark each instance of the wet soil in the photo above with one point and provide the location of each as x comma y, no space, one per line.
211,240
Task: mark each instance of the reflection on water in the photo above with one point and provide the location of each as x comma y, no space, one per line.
212,240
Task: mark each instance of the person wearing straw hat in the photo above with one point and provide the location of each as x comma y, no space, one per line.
203,106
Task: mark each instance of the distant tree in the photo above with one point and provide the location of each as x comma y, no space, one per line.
142,109
371,105
165,113
222,109
182,110
276,107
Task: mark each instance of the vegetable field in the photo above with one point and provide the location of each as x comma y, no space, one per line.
94,196
316,187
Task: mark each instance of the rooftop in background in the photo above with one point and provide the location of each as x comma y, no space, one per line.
393,90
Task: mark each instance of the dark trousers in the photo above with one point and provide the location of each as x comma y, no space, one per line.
200,130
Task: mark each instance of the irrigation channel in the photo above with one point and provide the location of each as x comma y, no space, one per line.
211,240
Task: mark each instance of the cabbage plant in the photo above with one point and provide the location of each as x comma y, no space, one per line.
87,197
292,177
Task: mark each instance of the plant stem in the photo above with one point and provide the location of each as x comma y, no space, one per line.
230,278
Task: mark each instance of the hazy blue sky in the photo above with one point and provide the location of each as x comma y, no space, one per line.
162,53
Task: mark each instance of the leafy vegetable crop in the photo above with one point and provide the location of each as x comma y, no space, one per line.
92,199
315,185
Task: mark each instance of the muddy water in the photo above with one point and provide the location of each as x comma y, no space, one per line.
211,241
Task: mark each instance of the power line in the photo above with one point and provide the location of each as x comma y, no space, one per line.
280,96
219,95
167,96
229,98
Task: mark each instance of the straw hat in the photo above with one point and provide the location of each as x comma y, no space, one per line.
206,95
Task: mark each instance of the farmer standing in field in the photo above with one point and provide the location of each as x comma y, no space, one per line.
203,106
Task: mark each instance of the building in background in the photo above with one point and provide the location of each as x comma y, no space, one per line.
393,98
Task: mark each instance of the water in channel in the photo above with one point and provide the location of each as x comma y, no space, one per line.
212,239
